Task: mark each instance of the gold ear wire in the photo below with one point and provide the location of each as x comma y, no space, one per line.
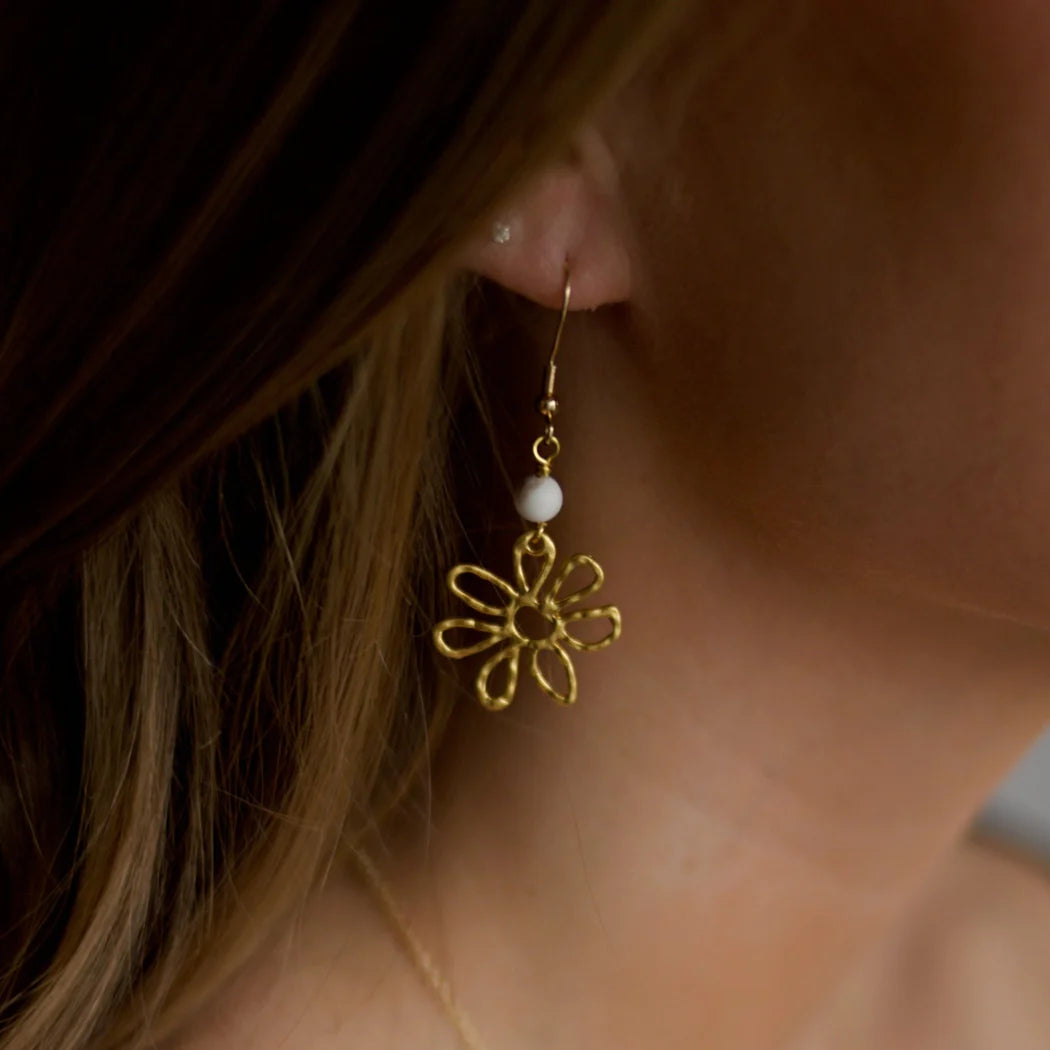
533,618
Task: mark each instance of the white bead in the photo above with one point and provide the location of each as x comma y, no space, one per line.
539,498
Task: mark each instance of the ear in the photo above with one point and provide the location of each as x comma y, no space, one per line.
570,212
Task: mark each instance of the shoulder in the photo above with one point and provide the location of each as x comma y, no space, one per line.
967,968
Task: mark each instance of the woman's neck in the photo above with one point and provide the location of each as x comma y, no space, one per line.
755,781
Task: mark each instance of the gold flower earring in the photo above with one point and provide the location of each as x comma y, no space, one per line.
533,617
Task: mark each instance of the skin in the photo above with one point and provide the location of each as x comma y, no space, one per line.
967,968
804,432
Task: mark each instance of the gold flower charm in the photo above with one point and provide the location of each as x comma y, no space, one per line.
536,618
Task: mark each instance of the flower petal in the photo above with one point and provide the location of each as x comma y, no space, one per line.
475,603
510,654
527,557
492,633
567,697
606,612
577,561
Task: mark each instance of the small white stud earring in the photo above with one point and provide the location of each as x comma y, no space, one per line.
500,232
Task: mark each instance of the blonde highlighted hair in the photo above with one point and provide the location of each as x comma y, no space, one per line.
231,351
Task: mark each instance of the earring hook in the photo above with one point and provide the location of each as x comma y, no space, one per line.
552,367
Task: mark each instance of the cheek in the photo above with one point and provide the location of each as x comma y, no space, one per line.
850,272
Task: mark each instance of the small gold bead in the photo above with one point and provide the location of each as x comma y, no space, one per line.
547,406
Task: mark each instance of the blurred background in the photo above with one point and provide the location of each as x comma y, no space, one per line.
1019,812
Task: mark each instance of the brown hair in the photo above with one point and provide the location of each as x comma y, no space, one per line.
230,350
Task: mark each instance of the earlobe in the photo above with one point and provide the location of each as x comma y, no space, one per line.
570,211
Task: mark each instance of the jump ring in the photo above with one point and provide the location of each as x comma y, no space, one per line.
551,442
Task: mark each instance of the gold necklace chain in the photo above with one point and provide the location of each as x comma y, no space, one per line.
421,959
